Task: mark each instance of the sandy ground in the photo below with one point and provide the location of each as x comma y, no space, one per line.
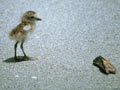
71,34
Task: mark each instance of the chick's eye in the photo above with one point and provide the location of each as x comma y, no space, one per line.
31,17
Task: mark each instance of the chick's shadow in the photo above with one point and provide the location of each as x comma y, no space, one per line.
12,60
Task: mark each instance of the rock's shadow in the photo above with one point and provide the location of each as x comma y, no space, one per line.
102,71
12,60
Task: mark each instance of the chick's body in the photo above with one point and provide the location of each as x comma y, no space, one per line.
19,33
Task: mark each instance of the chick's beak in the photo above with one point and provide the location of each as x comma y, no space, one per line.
39,19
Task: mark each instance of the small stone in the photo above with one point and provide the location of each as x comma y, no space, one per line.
116,86
16,76
104,65
35,58
34,77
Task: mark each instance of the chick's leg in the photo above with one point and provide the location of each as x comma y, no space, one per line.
15,48
23,49
25,56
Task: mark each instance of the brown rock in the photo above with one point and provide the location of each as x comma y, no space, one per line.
104,65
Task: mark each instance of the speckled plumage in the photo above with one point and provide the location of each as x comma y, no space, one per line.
19,33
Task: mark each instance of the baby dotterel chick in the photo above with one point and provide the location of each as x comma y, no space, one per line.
19,33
